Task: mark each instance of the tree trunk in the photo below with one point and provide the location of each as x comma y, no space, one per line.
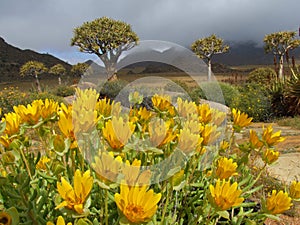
37,83
59,80
209,70
280,73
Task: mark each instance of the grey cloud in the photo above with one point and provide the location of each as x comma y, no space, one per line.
47,25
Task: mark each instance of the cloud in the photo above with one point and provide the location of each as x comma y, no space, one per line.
47,25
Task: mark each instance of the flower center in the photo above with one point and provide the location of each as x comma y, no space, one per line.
134,213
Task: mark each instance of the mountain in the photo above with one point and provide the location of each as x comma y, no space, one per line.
12,58
248,53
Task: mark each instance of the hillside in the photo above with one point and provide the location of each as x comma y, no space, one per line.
12,58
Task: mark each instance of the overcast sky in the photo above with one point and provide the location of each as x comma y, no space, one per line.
47,25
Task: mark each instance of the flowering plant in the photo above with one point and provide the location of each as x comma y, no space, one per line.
93,163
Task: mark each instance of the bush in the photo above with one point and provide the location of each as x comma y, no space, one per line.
64,91
263,76
10,97
111,89
228,95
255,100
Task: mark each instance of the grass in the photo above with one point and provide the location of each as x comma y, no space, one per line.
293,122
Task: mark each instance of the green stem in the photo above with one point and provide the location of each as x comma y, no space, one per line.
106,206
169,191
26,163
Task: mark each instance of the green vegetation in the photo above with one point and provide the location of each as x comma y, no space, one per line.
293,122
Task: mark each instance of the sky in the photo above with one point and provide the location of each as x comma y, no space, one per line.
46,26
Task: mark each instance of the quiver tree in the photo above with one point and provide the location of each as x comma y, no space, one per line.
279,44
34,69
206,47
79,69
58,70
107,38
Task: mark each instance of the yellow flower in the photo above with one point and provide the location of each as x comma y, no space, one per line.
49,108
136,203
188,141
160,132
65,123
185,108
41,165
224,145
117,132
107,167
163,104
5,218
218,117
30,114
209,134
5,141
13,121
74,198
133,175
295,190
205,113
60,221
271,138
240,120
278,202
254,140
226,168
142,116
193,125
270,156
106,108
226,195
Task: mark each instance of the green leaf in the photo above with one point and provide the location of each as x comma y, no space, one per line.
224,214
13,212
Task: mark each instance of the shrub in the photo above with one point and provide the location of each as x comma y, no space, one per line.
228,93
111,89
11,96
263,76
63,91
255,100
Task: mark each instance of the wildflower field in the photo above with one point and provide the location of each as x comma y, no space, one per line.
94,163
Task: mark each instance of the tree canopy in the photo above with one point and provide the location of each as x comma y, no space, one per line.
206,47
279,44
107,38
34,69
58,70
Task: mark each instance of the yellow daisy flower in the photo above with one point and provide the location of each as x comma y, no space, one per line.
185,108
226,195
271,138
254,140
117,132
188,141
107,167
41,165
60,221
205,113
295,190
49,108
270,156
13,122
75,197
133,175
226,168
240,120
136,203
278,202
